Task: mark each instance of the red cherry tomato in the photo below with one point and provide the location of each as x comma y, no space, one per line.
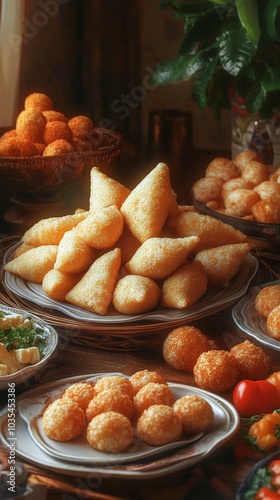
254,397
265,493
274,467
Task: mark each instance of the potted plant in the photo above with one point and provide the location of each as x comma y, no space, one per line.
229,48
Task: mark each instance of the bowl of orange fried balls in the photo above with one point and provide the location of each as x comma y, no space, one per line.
46,150
243,192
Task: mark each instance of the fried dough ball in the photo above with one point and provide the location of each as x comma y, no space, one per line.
116,382
38,101
110,432
253,363
159,425
135,294
81,126
58,147
223,262
245,157
182,347
255,172
185,286
144,377
195,413
273,323
9,134
266,212
151,394
110,400
207,189
57,116
266,299
81,392
63,420
103,228
216,371
269,191
30,125
27,148
235,183
9,147
239,202
40,148
57,130
81,145
274,177
223,168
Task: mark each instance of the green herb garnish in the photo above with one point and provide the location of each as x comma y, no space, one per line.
22,337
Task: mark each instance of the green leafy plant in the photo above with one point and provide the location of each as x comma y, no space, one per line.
228,45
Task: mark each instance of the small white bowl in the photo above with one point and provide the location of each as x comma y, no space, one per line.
29,371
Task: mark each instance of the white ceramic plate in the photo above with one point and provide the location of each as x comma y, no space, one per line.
51,343
250,322
129,464
214,300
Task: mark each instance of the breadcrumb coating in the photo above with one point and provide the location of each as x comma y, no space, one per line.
266,299
159,425
253,363
151,394
81,392
38,101
144,377
116,382
64,420
195,413
110,400
183,345
216,371
273,323
110,432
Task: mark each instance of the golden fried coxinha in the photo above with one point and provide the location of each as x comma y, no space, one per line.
105,191
33,264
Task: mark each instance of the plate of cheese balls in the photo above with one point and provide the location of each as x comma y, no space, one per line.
133,426
243,192
131,256
258,314
47,150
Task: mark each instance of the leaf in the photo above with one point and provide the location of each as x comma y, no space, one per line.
270,16
201,79
249,18
236,48
201,30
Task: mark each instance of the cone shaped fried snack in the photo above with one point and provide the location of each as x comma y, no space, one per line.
33,264
50,231
103,228
222,263
105,191
135,294
74,254
209,229
56,284
147,206
185,286
94,291
159,257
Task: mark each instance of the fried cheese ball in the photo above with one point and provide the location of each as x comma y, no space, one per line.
81,392
222,168
110,432
30,125
252,362
266,299
136,294
159,425
239,202
55,130
242,159
110,400
195,413
273,323
255,172
81,126
63,420
116,382
269,191
151,394
52,116
216,371
144,377
40,148
9,147
38,101
58,147
266,212
183,346
235,183
207,189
